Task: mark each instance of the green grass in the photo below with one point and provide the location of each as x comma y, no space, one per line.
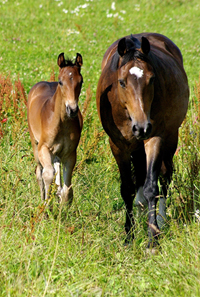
80,251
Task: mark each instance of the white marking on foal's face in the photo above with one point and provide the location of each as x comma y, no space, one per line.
136,71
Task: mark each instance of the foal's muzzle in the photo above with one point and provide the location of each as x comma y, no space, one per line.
142,132
72,112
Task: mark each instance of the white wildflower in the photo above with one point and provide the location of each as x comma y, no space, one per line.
113,6
84,5
137,7
197,215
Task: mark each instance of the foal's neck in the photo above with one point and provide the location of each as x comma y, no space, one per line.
60,107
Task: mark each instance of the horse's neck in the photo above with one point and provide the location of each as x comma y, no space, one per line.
59,106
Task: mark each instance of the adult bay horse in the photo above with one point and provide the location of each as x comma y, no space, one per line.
142,99
55,124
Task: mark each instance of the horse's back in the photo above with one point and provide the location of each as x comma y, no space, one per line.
157,41
39,95
41,92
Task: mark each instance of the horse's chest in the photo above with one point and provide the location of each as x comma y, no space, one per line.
64,144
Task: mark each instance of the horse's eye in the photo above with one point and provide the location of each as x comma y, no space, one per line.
122,83
60,83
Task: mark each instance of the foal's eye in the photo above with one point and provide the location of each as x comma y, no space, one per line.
122,83
60,83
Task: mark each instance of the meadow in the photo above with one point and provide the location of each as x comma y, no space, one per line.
80,251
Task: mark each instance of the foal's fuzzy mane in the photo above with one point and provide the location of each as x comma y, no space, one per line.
69,62
132,54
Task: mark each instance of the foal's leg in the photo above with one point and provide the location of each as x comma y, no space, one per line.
67,191
127,187
40,181
56,164
151,192
45,159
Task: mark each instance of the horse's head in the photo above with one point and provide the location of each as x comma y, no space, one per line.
70,81
136,84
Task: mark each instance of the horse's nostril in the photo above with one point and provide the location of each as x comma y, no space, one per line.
134,128
72,112
141,132
148,129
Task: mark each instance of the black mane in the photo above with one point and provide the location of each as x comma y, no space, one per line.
132,54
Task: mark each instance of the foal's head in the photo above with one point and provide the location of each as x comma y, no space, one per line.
136,84
70,81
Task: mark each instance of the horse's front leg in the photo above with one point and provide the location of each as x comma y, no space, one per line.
45,159
127,187
67,191
150,189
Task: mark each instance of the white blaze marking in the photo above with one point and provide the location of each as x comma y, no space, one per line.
137,71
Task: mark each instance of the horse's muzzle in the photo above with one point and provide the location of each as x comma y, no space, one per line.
142,132
72,113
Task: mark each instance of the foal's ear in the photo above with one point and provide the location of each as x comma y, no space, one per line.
145,45
61,60
122,47
79,60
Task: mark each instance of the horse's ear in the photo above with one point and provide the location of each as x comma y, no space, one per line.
122,47
145,45
61,60
79,60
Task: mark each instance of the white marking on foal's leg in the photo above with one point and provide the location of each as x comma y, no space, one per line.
136,71
140,201
162,217
56,165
